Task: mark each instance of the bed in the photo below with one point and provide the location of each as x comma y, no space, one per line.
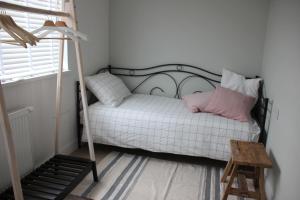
163,123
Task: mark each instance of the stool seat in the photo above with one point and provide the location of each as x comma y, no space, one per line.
249,154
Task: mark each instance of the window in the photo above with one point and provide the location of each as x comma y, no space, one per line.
18,63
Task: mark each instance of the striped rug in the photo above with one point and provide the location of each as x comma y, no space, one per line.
132,177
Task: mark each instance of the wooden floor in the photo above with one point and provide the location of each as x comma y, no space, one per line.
72,197
83,152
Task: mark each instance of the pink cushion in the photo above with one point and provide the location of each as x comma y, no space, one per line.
197,102
230,104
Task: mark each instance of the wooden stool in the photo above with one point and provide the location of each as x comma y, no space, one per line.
246,155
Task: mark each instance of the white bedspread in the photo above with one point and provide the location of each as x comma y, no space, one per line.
162,124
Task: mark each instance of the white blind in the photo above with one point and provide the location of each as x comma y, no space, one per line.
16,62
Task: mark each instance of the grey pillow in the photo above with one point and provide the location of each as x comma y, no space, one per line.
108,88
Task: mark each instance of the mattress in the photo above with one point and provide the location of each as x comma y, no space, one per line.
162,124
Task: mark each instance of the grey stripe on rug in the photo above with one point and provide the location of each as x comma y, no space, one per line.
132,177
102,173
217,186
118,180
129,180
208,183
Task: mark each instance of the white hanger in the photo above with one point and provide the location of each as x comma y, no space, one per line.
59,26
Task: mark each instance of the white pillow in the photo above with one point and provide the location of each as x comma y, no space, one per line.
240,84
109,89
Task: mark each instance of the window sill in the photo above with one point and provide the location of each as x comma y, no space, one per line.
33,79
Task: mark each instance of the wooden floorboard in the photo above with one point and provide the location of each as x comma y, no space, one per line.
73,197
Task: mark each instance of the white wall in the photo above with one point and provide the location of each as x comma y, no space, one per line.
281,70
215,33
93,19
41,93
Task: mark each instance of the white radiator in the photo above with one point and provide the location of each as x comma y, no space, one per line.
20,123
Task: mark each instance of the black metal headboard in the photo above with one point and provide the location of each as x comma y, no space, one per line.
170,71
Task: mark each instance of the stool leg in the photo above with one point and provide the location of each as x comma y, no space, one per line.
256,178
262,193
232,176
227,171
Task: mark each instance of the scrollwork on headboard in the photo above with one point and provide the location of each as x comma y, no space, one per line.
169,71
156,87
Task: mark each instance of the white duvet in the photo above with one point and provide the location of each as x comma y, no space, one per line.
162,124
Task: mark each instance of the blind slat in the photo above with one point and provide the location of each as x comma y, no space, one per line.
15,61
